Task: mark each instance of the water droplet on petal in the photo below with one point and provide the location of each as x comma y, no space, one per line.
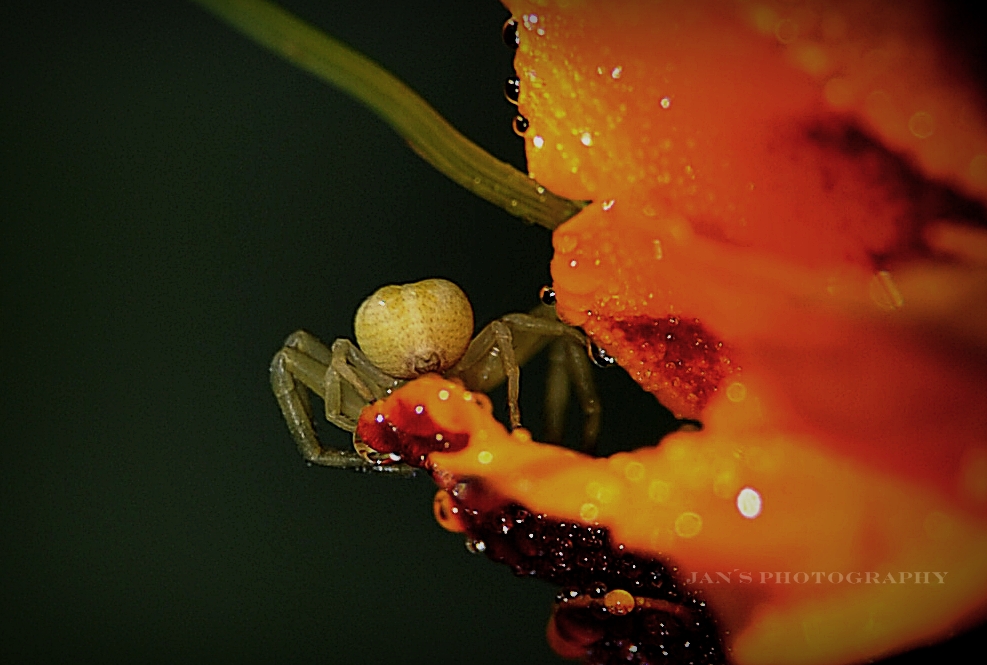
921,125
619,602
736,392
589,512
786,31
884,292
566,243
520,124
688,525
749,502
512,89
599,356
510,35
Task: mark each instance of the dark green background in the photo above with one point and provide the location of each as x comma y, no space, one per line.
175,201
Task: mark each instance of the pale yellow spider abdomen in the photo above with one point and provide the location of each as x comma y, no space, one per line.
410,329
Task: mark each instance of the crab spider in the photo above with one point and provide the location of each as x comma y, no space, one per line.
405,331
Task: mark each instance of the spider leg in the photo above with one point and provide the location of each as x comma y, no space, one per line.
351,382
301,365
558,388
490,359
486,364
570,368
579,369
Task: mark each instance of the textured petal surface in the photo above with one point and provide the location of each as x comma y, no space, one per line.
787,242
780,194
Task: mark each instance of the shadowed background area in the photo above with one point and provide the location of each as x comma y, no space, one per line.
176,201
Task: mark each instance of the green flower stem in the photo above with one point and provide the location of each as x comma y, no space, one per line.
428,133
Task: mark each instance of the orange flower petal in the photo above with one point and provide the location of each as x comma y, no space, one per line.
787,242
764,253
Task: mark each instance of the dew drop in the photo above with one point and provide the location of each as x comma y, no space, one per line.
659,491
520,124
446,513
589,512
688,525
510,35
786,31
599,356
884,292
547,295
512,89
634,471
618,602
566,243
921,125
749,502
736,392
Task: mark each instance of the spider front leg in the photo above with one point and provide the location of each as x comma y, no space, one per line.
346,381
498,351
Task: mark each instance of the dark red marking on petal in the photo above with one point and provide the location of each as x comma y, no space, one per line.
851,161
674,358
668,623
407,431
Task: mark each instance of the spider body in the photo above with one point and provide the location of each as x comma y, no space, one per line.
413,329
407,331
